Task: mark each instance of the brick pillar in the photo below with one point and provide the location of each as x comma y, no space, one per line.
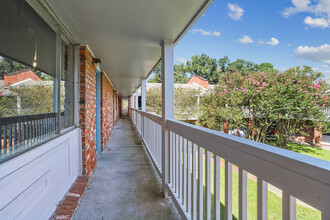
238,132
129,107
317,135
106,110
226,127
88,110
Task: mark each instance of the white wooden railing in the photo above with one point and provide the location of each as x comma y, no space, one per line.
193,150
150,130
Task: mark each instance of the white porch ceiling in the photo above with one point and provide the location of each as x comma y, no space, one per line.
126,34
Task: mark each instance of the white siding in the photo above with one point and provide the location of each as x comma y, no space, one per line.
33,183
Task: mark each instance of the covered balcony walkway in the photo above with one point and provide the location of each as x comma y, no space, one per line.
125,185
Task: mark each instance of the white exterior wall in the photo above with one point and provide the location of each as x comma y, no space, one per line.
33,183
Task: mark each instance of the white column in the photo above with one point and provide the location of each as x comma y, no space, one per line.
143,104
167,107
132,100
57,81
137,98
76,85
143,95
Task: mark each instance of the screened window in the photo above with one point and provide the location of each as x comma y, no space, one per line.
67,85
36,100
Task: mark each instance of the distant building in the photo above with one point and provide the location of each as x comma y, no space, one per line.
18,77
199,81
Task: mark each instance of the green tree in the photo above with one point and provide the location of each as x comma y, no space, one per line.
185,102
35,99
223,63
158,74
265,67
258,101
241,65
154,100
9,66
204,66
180,75
8,106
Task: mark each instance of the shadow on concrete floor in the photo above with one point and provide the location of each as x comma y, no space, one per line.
124,184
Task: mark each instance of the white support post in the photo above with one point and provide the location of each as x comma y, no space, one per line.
262,200
57,81
76,85
143,95
167,107
289,209
137,99
242,194
143,104
132,101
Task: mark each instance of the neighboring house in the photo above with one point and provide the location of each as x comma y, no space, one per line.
20,78
199,81
194,83
12,79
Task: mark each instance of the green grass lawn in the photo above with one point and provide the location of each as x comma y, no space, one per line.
310,151
274,201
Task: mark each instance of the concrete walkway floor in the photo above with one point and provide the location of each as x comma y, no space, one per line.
124,184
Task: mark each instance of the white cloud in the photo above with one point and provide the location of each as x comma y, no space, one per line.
181,60
206,33
245,40
273,41
317,22
318,54
281,69
235,12
321,9
299,6
261,42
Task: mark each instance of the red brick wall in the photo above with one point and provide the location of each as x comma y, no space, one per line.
118,107
20,76
88,110
310,134
200,81
106,110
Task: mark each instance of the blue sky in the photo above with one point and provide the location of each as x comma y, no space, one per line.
286,33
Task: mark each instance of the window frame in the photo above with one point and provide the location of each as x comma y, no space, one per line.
45,13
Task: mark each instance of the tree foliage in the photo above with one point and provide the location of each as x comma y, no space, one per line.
204,66
262,101
8,106
29,100
35,99
185,102
180,75
209,68
158,74
10,66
